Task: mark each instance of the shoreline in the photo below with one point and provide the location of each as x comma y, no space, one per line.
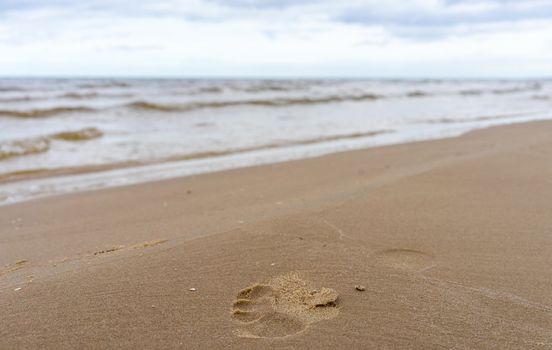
26,185
448,237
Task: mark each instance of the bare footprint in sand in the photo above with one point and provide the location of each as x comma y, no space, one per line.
287,305
405,259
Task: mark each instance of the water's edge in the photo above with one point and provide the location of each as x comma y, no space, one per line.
26,190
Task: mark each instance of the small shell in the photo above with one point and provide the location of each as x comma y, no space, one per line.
192,289
360,288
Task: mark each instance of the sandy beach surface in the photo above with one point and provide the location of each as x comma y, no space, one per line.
433,245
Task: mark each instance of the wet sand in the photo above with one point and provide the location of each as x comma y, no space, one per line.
451,241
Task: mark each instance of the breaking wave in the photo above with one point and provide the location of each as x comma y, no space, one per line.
25,147
93,95
43,112
78,135
17,175
17,99
302,142
107,84
274,102
476,119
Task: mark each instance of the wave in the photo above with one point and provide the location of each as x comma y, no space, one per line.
150,106
68,96
532,87
499,91
25,147
43,112
268,88
35,173
273,87
11,89
92,95
79,96
477,119
206,90
473,92
17,99
78,135
321,139
417,93
275,102
476,92
108,84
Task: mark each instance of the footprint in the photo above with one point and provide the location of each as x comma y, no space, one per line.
285,306
252,302
411,260
272,325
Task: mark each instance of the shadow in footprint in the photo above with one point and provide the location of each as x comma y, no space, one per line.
252,302
273,325
405,259
284,307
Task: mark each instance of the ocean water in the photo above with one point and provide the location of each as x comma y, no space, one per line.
64,135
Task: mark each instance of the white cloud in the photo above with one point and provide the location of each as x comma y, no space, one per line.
284,38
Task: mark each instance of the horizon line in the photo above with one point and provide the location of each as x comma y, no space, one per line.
268,77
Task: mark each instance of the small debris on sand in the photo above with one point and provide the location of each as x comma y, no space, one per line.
360,288
17,289
192,289
108,250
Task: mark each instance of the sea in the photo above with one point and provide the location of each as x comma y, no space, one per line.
66,135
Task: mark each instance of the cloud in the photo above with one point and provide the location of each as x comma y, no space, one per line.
450,13
270,37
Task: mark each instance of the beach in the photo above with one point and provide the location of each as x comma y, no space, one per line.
435,244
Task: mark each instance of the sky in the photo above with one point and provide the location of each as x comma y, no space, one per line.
277,38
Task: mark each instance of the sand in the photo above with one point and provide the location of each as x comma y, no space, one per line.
451,241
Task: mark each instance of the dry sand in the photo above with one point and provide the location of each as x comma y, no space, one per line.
452,240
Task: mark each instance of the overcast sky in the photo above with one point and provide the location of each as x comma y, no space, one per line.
277,38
